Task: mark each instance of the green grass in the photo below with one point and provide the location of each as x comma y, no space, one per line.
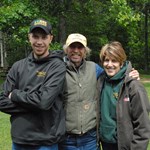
5,139
147,87
146,76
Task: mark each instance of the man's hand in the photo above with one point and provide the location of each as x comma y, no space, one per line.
134,74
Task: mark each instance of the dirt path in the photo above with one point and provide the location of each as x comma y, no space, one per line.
145,80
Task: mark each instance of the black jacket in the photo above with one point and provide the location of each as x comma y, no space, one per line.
36,104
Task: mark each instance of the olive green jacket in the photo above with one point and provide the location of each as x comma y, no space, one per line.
80,97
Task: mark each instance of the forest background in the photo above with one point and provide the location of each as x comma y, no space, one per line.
101,21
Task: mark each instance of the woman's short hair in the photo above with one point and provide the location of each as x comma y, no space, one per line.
113,50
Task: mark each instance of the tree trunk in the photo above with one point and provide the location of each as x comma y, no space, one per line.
1,51
146,39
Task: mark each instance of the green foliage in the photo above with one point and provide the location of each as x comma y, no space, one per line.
125,15
129,14
15,18
55,46
99,21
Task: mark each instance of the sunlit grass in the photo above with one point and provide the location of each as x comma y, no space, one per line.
5,139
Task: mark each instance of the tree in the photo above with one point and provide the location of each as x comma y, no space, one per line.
100,21
130,17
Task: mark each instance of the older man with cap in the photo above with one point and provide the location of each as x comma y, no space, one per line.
32,94
80,96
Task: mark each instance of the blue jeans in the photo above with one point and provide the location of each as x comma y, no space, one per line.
86,141
28,147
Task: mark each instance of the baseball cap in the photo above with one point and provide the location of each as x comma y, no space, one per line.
76,37
41,23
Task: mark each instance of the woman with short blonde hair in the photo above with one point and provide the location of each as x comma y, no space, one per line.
124,104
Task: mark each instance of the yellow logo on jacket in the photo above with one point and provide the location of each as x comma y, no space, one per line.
41,73
115,95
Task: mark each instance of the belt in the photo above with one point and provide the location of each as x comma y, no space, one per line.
76,135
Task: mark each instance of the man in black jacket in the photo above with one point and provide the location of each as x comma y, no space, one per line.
32,94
